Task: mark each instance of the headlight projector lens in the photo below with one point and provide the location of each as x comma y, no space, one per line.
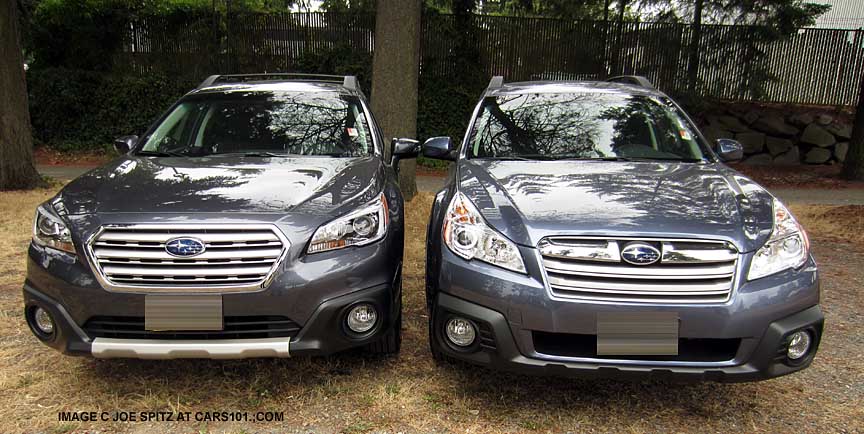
362,318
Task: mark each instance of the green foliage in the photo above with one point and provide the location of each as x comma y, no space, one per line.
341,60
74,109
362,6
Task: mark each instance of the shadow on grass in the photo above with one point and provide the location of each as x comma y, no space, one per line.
503,397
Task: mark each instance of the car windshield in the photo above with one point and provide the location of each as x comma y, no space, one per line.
267,124
596,125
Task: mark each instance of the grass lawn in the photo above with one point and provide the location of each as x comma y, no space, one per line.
357,393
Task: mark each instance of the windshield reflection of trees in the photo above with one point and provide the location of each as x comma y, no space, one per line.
581,125
536,124
646,127
305,123
319,123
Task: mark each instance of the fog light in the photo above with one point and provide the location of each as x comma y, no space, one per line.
43,321
362,318
461,332
799,345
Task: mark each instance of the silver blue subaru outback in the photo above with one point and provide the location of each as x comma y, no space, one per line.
589,229
257,218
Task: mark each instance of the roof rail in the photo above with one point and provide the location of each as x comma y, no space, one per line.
632,79
496,82
348,81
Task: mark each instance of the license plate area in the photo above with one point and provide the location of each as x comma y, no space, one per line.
637,334
183,312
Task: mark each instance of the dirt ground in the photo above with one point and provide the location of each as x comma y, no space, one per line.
355,393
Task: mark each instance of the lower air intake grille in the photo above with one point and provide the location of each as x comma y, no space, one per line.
235,327
585,346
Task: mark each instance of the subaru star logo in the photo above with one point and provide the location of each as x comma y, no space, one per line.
640,254
184,247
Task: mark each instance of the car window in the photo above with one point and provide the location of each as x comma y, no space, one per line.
321,123
583,126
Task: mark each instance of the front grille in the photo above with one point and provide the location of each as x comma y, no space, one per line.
585,346
235,327
688,271
235,256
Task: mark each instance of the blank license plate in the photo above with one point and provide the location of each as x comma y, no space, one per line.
637,334
183,312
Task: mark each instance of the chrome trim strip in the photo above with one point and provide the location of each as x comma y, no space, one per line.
674,255
610,252
258,284
106,348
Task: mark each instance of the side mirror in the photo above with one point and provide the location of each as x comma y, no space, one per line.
124,144
730,150
402,149
439,148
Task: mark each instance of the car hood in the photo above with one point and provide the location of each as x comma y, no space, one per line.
529,200
320,185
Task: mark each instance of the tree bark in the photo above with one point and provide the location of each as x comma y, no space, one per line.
853,167
395,70
16,142
693,63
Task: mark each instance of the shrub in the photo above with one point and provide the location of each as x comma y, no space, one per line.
74,109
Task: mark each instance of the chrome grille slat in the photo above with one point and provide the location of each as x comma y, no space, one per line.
178,271
111,253
580,269
236,257
689,271
622,285
206,237
156,245
156,262
195,279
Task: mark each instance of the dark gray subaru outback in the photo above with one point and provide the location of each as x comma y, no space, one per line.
256,218
588,228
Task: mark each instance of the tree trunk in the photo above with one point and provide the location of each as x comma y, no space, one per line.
693,63
618,68
16,142
395,70
853,168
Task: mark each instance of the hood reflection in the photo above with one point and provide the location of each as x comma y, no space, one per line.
221,184
530,200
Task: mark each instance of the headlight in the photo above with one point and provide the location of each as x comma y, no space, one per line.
468,235
787,248
364,226
50,231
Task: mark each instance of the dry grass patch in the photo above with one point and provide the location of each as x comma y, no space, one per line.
845,223
356,393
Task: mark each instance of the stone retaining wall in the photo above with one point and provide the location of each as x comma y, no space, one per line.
781,135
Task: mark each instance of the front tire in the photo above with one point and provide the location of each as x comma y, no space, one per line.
391,341
434,346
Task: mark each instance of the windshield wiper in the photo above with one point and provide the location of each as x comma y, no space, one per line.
507,158
264,154
638,159
161,154
252,154
335,155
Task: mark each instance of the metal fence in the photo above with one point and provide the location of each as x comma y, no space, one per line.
814,66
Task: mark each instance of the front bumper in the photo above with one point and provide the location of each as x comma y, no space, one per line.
314,293
321,335
512,310
498,350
